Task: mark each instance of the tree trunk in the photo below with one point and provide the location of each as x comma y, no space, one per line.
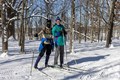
91,29
11,28
99,29
72,26
111,24
26,20
22,32
86,20
92,21
47,9
99,20
86,24
80,22
4,27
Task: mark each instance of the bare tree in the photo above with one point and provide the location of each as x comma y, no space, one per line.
10,14
22,32
4,27
72,25
80,21
86,19
111,24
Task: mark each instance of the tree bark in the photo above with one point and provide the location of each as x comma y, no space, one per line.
86,20
111,24
80,22
11,27
72,26
4,28
22,32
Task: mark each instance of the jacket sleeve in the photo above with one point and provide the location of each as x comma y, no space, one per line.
41,46
54,32
64,32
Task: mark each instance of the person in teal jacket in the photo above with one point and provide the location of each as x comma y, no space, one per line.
59,33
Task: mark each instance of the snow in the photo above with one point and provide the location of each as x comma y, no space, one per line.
3,55
111,46
91,61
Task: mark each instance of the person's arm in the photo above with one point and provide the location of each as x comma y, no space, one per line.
40,32
53,31
63,31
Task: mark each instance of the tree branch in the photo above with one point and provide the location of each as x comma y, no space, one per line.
104,18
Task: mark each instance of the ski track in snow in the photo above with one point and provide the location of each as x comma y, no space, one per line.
91,61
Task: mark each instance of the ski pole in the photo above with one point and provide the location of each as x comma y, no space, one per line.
29,77
32,64
65,47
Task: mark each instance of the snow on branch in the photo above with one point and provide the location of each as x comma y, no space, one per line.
85,35
17,18
38,16
13,19
46,1
49,1
29,6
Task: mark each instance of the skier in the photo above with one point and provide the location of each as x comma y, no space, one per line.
59,33
46,45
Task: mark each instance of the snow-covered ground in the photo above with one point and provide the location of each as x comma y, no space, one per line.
91,61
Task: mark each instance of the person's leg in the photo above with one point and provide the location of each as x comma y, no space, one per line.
57,52
39,57
61,56
48,52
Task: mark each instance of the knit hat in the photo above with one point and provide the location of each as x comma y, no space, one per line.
58,18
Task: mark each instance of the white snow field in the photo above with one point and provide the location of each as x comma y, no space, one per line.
91,61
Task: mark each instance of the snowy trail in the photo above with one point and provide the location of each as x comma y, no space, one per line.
91,61
98,73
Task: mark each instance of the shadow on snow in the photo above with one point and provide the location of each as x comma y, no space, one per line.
86,59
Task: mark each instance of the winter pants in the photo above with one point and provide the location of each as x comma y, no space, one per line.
47,48
59,51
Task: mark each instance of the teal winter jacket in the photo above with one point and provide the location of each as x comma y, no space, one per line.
57,32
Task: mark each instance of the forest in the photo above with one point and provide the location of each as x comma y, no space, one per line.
60,40
87,20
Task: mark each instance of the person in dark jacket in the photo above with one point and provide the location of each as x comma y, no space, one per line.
46,44
59,33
